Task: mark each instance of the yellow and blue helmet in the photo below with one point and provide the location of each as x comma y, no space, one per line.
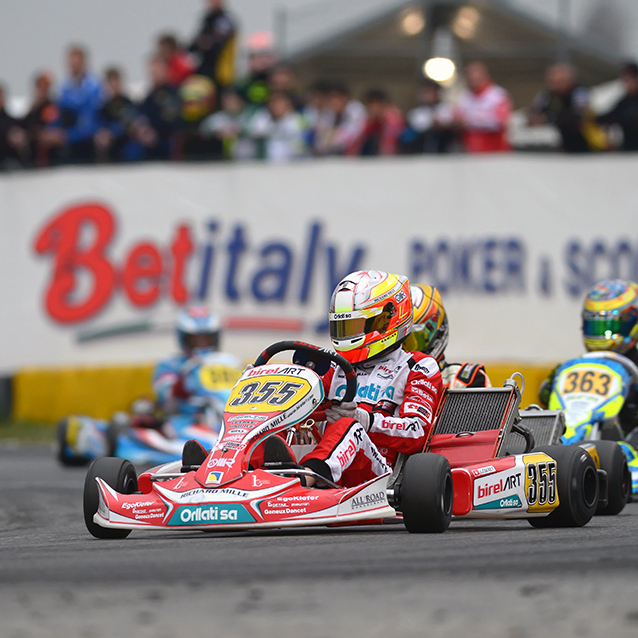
430,332
610,316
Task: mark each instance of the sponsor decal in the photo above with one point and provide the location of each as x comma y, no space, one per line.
210,514
425,383
289,505
248,418
214,477
217,462
373,392
344,457
509,502
130,506
257,482
400,426
494,487
480,471
427,365
421,393
143,517
384,372
368,500
84,278
418,408
231,445
287,370
286,510
210,494
385,406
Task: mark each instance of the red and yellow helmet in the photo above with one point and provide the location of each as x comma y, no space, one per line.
430,328
370,311
610,316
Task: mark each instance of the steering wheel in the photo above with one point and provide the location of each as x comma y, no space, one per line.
316,352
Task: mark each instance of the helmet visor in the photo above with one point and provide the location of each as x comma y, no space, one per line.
608,326
203,340
347,328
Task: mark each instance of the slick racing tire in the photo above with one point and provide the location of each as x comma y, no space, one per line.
426,494
120,475
577,484
611,431
614,462
63,454
112,436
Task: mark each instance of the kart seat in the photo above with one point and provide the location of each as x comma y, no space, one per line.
547,428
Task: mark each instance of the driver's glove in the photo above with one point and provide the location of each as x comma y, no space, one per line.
349,411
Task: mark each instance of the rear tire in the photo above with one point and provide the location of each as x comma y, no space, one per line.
426,494
70,460
577,484
614,462
120,475
611,431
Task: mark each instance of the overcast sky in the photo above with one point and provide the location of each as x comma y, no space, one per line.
35,33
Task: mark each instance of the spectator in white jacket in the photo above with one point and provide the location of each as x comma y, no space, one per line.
280,130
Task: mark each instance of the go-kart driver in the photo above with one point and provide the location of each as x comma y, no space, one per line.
198,334
430,334
609,323
398,391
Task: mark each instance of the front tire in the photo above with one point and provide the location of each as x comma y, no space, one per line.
577,483
120,475
426,494
614,462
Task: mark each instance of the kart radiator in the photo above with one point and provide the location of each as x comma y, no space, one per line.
474,410
546,426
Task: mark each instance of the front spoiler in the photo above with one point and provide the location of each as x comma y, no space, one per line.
307,507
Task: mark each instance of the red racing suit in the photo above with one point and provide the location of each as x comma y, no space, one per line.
401,392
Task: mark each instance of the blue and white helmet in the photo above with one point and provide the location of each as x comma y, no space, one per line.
198,330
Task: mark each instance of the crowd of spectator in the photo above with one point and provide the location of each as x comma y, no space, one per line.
195,109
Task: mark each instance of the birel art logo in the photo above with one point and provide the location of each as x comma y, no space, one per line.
84,277
505,484
210,515
492,493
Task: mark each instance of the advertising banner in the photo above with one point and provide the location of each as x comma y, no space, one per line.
96,261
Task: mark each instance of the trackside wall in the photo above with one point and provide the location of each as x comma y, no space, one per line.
49,394
96,261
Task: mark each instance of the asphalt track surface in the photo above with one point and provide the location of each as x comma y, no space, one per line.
481,578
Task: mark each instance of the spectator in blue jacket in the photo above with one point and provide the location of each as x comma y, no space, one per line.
112,140
79,103
159,114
